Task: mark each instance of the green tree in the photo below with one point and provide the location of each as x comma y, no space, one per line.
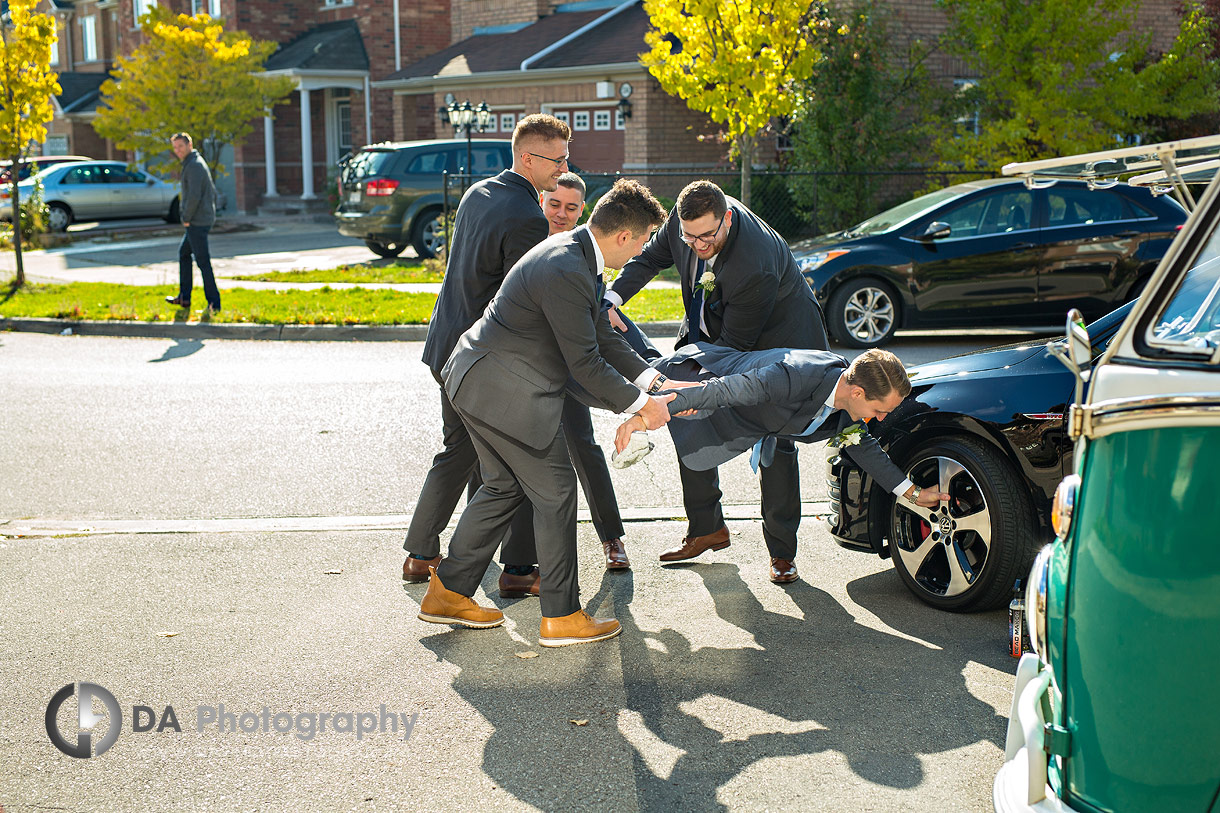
862,110
1068,76
26,40
735,60
189,75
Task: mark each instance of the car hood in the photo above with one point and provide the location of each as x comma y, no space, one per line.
822,242
977,362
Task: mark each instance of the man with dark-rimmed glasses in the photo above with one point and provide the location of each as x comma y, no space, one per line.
741,289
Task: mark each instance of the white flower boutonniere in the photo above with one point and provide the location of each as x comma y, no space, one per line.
707,282
851,436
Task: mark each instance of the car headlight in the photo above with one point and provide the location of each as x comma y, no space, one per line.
816,260
1035,601
1064,505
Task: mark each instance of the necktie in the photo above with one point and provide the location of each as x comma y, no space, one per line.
694,311
763,452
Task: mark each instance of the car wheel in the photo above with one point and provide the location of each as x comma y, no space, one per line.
175,214
863,313
385,249
59,217
965,554
428,237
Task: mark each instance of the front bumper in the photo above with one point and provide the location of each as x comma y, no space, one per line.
1021,784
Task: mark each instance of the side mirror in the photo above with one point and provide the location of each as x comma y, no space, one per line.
1078,340
936,230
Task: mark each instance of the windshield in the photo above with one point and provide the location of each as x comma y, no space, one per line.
1192,317
904,211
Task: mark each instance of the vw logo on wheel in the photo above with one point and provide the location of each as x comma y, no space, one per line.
81,743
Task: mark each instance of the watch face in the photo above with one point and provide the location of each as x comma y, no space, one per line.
624,89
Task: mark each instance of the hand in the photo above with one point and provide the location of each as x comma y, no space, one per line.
654,413
622,435
930,498
616,321
185,224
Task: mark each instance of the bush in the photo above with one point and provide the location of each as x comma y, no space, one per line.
34,215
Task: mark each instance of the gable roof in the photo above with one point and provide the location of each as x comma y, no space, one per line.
335,46
80,92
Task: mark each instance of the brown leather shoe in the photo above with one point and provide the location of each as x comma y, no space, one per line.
520,586
616,554
416,570
577,628
783,570
692,546
443,606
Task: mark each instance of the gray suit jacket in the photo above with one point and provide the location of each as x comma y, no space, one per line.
498,220
197,195
764,393
509,370
760,300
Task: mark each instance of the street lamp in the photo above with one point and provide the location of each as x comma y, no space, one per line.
466,118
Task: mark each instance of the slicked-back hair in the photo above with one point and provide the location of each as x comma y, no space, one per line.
628,205
572,181
183,137
700,198
878,373
539,127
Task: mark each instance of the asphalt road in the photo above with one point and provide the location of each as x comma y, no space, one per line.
840,692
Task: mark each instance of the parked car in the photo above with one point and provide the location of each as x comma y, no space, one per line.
88,190
33,165
1117,706
391,194
989,252
989,428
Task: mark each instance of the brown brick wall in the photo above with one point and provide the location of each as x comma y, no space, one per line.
471,14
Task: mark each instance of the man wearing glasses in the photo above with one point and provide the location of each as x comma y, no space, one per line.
741,289
498,220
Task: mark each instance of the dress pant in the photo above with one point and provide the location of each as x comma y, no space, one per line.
590,462
454,468
512,474
195,242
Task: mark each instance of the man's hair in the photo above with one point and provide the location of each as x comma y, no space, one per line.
878,373
700,198
183,137
628,205
572,181
539,127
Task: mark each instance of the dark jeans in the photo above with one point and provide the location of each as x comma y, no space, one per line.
195,242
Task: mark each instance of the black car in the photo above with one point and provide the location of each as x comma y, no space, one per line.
989,252
988,428
391,195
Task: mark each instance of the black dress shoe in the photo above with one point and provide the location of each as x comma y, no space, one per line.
178,301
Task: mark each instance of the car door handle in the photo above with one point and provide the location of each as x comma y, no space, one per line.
1022,245
1128,233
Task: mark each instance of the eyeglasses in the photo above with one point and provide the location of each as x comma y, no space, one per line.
559,162
705,239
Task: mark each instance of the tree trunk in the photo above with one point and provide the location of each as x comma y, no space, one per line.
19,281
746,148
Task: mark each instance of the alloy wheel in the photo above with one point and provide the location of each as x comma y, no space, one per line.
868,314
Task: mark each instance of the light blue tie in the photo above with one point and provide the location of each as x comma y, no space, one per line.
764,451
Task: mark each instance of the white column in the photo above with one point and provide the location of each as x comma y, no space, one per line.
306,148
269,153
368,113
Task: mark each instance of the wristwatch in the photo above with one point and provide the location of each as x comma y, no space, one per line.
914,497
657,384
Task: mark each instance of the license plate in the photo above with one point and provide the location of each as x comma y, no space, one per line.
353,197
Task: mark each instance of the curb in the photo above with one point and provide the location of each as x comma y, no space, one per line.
206,330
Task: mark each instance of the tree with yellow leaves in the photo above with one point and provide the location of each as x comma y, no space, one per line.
738,61
26,40
190,75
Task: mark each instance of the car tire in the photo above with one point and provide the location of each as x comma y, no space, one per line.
863,313
964,555
175,212
59,217
428,235
385,249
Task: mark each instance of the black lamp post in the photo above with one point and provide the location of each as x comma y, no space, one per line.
465,117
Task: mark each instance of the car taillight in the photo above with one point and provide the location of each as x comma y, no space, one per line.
381,186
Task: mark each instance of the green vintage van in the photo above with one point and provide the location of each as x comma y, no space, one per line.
1118,707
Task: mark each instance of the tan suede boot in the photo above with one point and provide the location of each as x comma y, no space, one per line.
443,606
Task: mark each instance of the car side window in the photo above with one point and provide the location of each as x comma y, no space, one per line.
1068,206
997,213
487,160
112,175
427,162
80,175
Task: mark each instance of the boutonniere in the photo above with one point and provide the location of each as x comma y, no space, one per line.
851,436
707,282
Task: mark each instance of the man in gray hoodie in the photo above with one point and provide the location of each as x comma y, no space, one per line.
197,208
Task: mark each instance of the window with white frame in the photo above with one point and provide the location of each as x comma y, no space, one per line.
619,121
580,120
965,88
601,119
209,7
563,116
88,38
141,7
55,45
507,122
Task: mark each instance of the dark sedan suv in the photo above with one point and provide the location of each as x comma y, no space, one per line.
989,252
391,195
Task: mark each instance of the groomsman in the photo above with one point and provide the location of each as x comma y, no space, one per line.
742,290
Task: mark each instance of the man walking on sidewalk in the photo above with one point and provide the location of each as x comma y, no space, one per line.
197,209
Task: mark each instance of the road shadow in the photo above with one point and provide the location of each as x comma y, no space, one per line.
690,720
181,348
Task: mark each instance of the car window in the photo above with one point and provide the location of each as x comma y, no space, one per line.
369,162
112,175
1192,317
81,175
997,213
1068,206
487,160
901,213
432,161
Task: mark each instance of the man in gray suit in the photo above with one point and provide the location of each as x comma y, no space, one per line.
749,401
497,222
197,211
742,290
507,378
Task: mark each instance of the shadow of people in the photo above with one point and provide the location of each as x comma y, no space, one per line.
179,349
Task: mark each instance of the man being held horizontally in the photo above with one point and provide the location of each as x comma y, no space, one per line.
748,401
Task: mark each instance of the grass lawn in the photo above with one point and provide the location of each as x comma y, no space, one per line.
350,306
372,271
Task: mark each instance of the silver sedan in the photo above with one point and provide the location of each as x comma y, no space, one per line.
96,190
